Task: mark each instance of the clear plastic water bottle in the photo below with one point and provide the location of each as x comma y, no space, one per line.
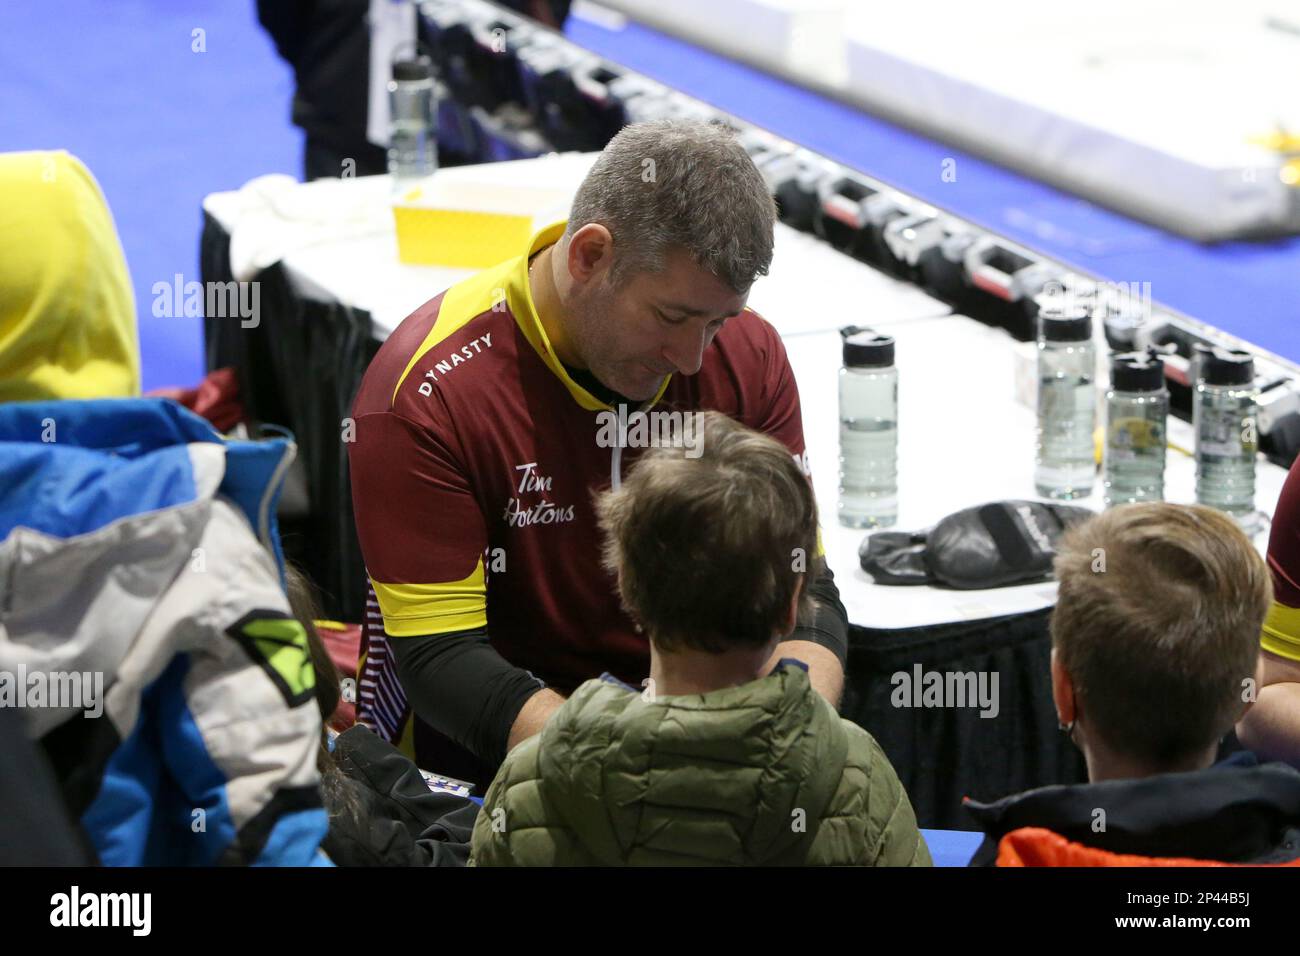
413,112
1066,462
868,430
1226,417
1137,409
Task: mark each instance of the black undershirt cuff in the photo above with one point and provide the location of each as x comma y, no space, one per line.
828,624
460,686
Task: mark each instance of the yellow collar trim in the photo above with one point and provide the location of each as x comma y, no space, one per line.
519,296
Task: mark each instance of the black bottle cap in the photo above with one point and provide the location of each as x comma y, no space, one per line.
1222,366
866,348
420,68
1137,372
1073,325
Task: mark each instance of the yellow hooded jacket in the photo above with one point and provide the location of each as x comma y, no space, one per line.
67,312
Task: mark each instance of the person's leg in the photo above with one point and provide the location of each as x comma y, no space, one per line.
321,160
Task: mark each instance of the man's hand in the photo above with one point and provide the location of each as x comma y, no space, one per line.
824,669
1271,727
533,716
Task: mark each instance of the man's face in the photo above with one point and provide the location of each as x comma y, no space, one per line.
655,324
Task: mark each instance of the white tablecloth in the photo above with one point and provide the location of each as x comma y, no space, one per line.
338,242
963,440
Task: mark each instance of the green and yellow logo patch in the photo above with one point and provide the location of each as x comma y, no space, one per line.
278,644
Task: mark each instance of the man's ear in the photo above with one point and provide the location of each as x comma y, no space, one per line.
1063,692
589,253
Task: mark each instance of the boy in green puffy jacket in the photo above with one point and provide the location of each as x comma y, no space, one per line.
725,756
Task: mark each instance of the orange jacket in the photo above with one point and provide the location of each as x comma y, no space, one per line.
1235,812
1035,846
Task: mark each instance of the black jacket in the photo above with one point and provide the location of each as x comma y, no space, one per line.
1237,811
36,828
397,820
327,42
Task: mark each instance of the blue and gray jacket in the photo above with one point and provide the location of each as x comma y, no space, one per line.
146,637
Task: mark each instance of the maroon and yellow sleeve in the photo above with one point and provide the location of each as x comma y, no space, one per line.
1281,634
422,533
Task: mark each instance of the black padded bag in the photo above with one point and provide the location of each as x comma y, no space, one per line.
988,546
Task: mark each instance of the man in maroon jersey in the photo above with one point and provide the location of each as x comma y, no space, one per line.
1272,727
494,412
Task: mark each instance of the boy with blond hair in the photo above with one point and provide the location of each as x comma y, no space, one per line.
1155,642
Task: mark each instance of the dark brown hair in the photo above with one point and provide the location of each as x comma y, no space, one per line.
710,550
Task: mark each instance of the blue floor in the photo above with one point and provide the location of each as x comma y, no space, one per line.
117,83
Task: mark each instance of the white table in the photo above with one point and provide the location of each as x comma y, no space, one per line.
337,240
964,440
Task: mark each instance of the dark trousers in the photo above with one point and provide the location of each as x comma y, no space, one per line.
322,161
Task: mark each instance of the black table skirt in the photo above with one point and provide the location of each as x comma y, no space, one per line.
300,368
944,754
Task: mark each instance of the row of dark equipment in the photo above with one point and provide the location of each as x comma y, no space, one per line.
511,89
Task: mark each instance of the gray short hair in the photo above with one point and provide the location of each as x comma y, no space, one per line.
669,183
